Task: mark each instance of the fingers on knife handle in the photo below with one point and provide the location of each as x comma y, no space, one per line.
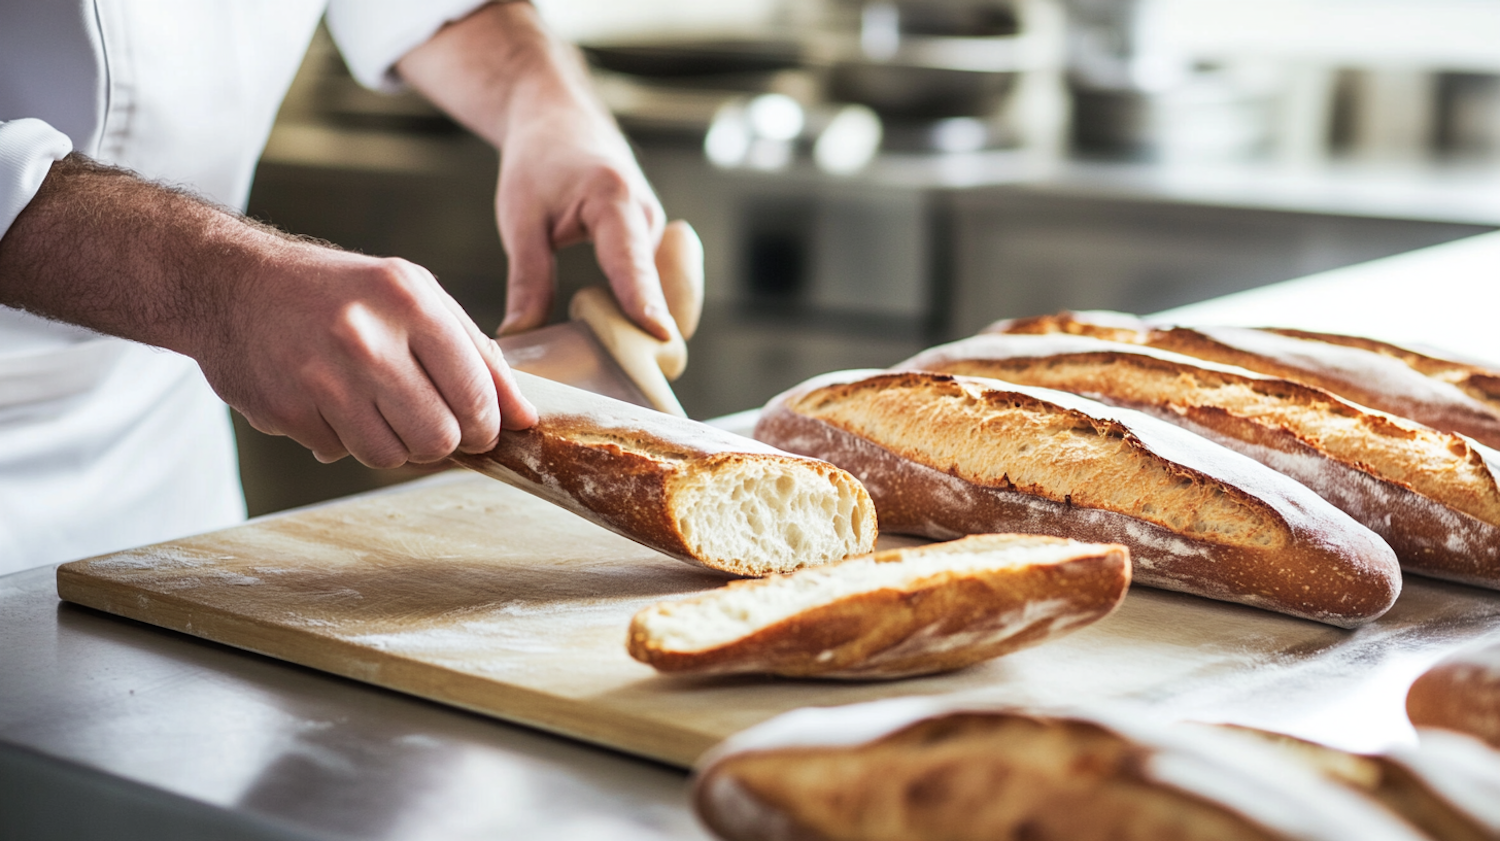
679,263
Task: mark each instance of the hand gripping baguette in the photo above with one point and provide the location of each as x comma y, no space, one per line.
1431,495
1353,370
686,489
897,613
944,456
1462,693
1448,785
933,769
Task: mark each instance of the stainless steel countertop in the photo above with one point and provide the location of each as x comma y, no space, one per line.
228,744
113,728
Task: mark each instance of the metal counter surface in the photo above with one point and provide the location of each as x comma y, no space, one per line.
113,728
199,740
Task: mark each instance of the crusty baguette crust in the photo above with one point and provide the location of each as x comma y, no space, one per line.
940,623
1477,381
1323,567
933,769
1436,536
1352,371
620,466
1462,693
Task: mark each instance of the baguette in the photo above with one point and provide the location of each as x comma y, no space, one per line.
1448,785
688,490
1355,370
1461,693
897,613
925,768
944,456
1431,495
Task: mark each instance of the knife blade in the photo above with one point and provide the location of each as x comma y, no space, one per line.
569,353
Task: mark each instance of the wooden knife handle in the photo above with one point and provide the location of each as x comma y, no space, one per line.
647,360
679,263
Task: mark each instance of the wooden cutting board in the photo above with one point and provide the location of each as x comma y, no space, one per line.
469,592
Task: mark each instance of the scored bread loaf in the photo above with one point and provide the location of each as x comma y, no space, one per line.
1461,692
928,768
944,456
1349,369
683,488
897,613
1448,785
1431,495
1478,381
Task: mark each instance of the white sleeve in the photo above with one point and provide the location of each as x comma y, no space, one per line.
374,34
28,149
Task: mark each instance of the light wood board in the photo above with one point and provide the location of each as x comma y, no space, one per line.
469,592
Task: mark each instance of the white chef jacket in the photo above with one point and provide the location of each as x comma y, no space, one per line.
105,443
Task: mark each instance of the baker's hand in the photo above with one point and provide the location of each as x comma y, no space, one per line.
566,173
565,178
343,352
357,355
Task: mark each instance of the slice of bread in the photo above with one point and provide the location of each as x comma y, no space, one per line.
1433,496
944,456
936,768
686,489
897,613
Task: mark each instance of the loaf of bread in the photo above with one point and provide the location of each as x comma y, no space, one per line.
944,456
897,613
1448,785
1431,495
932,769
683,488
1462,693
1355,369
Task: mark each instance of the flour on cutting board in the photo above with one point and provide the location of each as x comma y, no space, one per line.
472,592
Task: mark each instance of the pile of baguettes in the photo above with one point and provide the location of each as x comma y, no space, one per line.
1292,471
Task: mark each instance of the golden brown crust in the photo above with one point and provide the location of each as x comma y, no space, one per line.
1322,565
941,623
1371,466
839,775
1477,381
621,467
1461,693
1355,369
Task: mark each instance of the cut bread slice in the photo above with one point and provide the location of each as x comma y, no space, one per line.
893,614
684,488
944,456
1432,495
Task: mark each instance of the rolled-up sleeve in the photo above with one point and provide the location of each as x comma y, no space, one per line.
28,149
373,35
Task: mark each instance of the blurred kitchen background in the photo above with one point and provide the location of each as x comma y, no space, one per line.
870,178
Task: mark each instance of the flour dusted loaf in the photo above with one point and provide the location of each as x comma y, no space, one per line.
686,489
897,613
932,769
1431,495
1447,785
1462,693
944,455
1381,376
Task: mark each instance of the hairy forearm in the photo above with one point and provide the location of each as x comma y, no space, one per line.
500,67
104,249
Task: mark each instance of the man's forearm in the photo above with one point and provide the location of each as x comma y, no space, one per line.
104,249
499,67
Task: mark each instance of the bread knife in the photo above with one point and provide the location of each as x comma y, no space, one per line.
600,350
